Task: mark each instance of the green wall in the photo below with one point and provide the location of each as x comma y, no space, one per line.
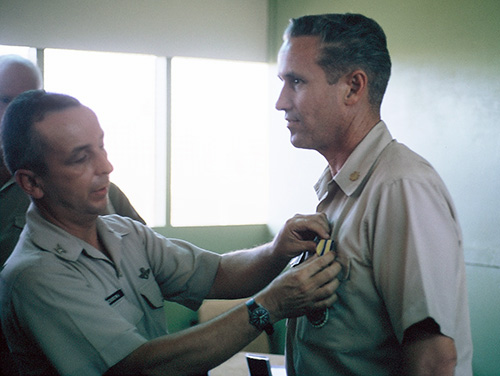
443,101
220,239
415,28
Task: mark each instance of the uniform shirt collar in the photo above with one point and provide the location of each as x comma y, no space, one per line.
358,165
9,182
54,239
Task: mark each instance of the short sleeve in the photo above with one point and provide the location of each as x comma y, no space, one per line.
184,272
416,254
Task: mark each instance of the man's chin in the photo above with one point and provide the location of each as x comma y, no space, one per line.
101,209
299,143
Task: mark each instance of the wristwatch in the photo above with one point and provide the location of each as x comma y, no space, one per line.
259,316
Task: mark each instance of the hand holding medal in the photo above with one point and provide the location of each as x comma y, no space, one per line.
318,318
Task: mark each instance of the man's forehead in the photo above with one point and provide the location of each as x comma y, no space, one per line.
298,53
72,123
74,114
304,43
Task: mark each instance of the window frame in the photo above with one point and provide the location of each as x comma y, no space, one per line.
209,237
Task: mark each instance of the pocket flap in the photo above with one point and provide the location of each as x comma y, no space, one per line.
152,294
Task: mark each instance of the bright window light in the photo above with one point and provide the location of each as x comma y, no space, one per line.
26,52
127,92
219,167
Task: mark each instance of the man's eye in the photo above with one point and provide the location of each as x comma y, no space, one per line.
81,159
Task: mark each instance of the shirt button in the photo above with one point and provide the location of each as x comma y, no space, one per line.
60,249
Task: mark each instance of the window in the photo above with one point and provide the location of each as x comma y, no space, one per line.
26,52
217,135
127,93
219,167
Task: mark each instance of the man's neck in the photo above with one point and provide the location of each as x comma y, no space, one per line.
82,226
338,154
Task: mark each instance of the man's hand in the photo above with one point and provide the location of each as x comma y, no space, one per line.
310,285
298,233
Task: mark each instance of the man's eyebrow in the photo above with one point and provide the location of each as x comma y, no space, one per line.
289,75
81,148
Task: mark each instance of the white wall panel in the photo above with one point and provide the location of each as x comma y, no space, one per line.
229,29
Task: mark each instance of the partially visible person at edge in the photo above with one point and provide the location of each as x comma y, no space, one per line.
18,75
82,294
402,303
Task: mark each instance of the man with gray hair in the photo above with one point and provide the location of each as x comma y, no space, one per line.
17,75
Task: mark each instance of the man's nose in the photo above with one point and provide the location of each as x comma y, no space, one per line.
283,103
104,166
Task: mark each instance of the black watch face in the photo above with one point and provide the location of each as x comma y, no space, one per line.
260,317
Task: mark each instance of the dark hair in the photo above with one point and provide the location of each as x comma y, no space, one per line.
22,145
348,42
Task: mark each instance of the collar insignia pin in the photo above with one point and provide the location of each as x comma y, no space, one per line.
354,176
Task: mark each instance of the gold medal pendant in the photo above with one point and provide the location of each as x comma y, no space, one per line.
318,318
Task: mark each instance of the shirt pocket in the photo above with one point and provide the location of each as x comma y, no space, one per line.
333,334
127,310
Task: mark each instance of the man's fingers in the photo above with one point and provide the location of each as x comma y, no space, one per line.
324,271
326,294
308,226
316,263
310,285
299,232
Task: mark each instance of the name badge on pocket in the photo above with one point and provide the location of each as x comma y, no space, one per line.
114,297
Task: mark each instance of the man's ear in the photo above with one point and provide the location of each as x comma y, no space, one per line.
29,182
357,82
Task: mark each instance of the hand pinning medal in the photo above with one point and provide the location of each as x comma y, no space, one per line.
318,318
